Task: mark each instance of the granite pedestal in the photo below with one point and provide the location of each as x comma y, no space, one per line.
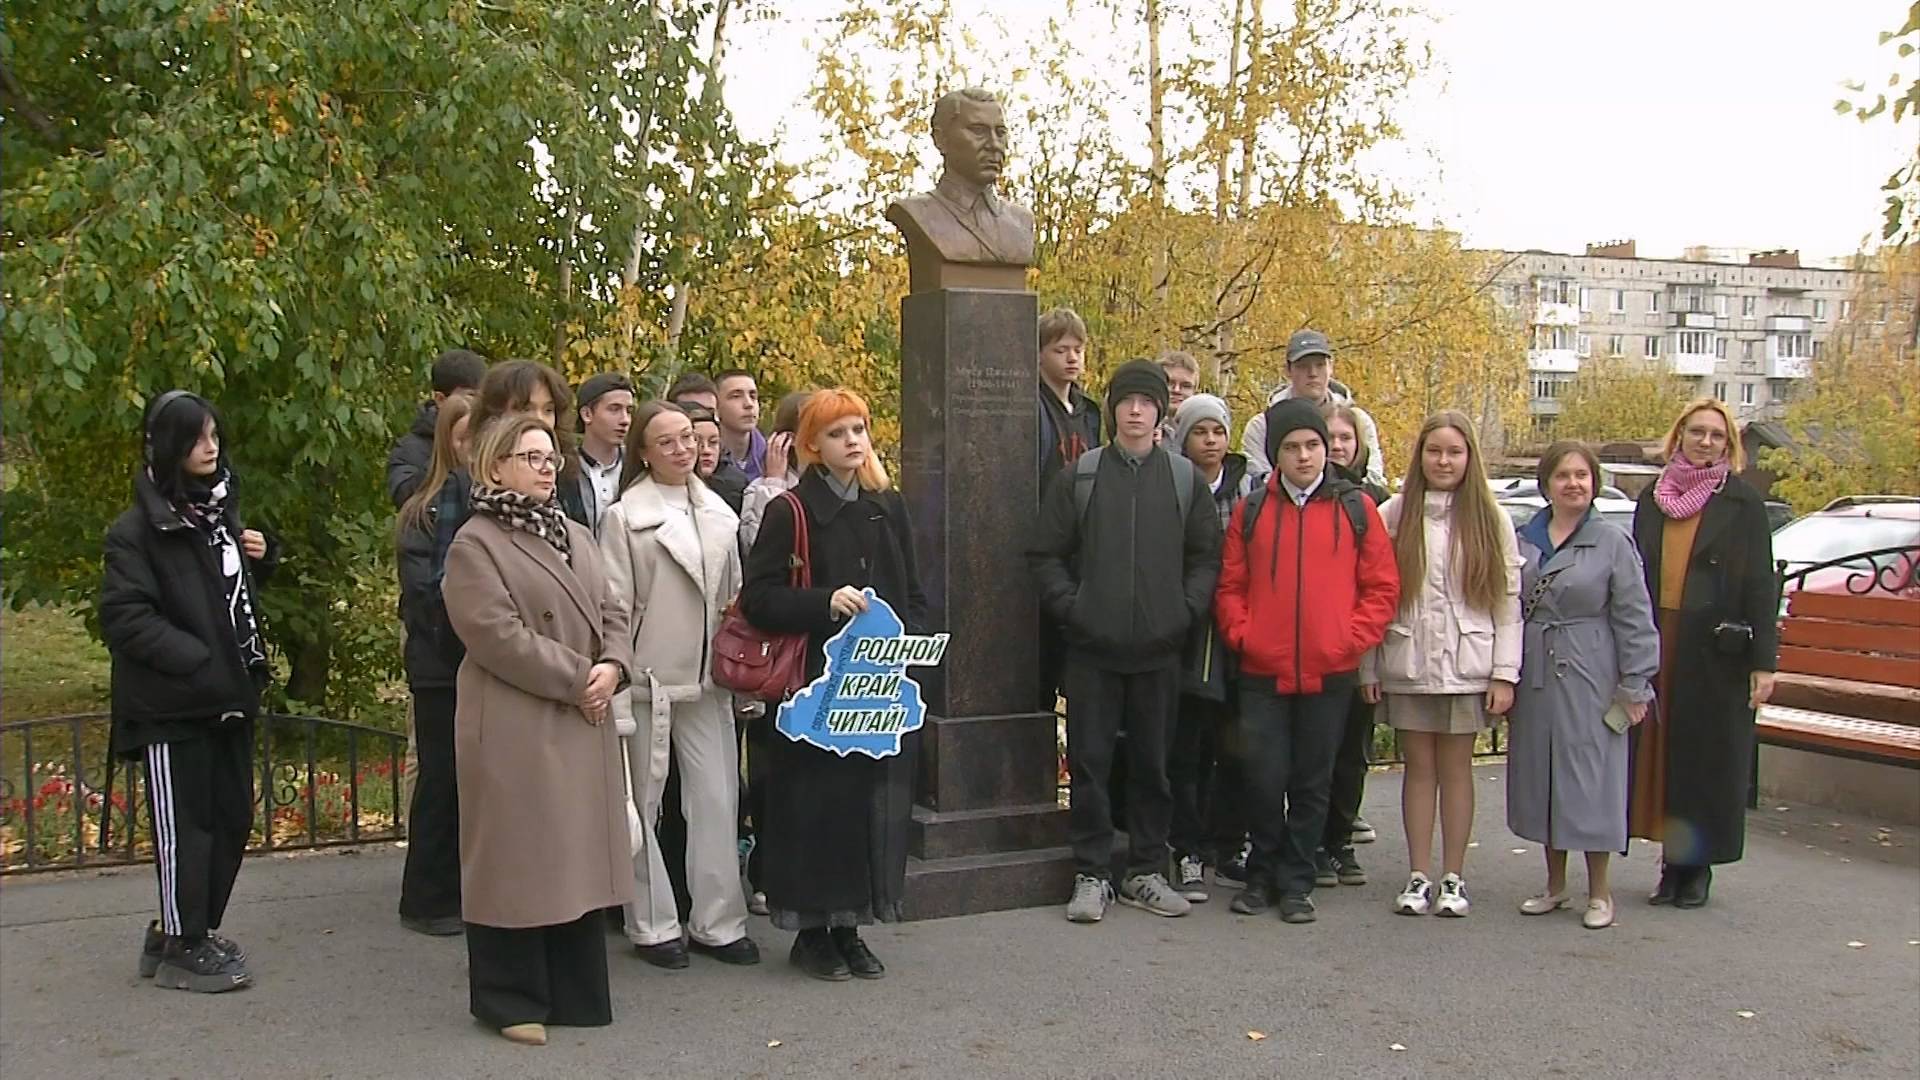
989,832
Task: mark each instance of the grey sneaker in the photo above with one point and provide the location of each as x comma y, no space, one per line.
1296,909
1091,898
1150,892
1325,873
1363,833
1190,877
1347,868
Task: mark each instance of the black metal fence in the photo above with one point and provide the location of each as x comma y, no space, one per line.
1891,571
67,803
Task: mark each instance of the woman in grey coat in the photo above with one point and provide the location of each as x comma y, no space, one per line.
1590,645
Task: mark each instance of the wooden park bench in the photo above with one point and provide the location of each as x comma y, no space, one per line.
1849,679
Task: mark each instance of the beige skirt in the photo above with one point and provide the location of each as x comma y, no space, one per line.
1441,714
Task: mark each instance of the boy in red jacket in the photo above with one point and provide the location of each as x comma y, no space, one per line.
1299,647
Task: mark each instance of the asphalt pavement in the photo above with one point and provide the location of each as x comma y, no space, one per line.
1805,964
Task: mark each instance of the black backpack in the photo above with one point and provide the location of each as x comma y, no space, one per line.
1352,498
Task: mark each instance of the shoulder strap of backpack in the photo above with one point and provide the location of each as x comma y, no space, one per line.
1354,498
1255,499
1084,468
1183,477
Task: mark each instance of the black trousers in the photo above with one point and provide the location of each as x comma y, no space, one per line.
200,794
671,832
430,881
1205,779
757,732
539,975
1349,777
1290,742
1100,705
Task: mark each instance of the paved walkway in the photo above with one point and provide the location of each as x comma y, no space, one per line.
343,991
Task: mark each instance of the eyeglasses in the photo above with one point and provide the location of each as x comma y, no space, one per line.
668,442
538,460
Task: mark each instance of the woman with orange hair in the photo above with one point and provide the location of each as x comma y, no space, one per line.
834,838
1703,537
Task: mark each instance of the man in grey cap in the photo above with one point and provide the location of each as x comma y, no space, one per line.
1309,378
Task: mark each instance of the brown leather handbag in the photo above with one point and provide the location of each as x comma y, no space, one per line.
748,660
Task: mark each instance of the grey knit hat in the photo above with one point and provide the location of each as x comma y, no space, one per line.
1193,410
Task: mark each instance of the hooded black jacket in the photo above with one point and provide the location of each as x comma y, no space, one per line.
407,464
163,613
1110,580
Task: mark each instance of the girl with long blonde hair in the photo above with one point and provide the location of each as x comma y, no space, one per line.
1451,657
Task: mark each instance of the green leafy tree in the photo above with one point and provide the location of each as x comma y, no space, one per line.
291,208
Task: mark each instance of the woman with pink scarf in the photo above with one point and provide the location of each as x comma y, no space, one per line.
1703,536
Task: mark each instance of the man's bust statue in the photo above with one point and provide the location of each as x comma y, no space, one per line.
960,234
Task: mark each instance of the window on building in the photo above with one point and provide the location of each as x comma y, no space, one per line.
1690,298
1586,299
1881,315
1553,337
1818,348
1653,302
1616,344
1619,299
1548,388
1720,348
1748,305
1720,391
1793,346
1696,342
1653,344
1583,345
1746,350
1746,393
1819,309
1846,310
1720,306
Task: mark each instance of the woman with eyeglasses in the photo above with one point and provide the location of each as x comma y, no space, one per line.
544,845
671,556
1703,536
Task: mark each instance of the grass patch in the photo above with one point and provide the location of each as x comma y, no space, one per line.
49,666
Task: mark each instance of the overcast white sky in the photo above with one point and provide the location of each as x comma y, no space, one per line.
1548,125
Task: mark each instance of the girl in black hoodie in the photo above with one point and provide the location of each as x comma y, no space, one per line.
178,611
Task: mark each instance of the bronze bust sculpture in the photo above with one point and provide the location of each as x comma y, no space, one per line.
960,234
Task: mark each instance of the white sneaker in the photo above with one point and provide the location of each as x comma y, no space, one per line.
1416,898
1190,878
1453,897
1091,898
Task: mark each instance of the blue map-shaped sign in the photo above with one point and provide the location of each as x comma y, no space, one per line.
864,702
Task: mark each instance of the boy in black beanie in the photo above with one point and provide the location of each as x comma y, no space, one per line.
1109,527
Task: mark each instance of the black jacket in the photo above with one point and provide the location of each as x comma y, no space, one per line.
1112,585
1709,725
729,481
1209,667
835,830
433,651
1377,492
1064,436
163,613
407,464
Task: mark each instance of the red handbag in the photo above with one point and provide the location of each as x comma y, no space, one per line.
749,660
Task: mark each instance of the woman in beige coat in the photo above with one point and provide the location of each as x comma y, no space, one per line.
543,827
672,558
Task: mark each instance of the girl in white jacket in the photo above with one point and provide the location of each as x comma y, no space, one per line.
1451,657
671,554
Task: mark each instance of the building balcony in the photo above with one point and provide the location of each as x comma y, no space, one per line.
1547,313
1788,367
1556,361
1692,364
1788,324
1544,406
1691,320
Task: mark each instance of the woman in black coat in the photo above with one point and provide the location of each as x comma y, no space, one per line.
1704,538
178,612
430,881
833,842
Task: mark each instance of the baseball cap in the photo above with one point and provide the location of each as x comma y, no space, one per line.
1305,343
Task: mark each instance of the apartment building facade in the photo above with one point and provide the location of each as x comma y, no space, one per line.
1748,328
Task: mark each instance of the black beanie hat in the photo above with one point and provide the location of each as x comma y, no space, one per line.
1291,414
1137,377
